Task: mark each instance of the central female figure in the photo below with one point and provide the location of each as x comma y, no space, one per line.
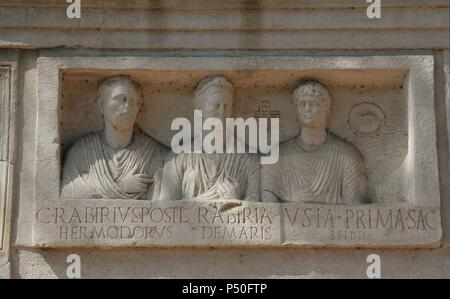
211,176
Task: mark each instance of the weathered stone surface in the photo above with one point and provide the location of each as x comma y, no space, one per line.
374,224
229,19
89,223
120,161
103,223
401,161
5,98
224,40
8,88
393,108
223,4
316,166
5,271
225,25
4,167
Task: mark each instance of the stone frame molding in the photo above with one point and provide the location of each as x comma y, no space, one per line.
8,98
423,196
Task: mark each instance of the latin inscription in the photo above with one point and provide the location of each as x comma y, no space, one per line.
120,222
357,224
202,223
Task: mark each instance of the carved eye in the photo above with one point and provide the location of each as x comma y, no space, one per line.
120,99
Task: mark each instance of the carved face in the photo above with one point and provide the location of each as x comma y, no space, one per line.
121,106
312,112
219,104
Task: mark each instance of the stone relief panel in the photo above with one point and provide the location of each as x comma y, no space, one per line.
119,162
208,176
316,166
350,170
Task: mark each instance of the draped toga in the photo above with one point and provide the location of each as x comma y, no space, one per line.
198,174
93,169
333,173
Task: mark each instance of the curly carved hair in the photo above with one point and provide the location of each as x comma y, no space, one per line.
209,85
312,88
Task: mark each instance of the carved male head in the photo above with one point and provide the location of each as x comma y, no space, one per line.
313,103
214,96
120,101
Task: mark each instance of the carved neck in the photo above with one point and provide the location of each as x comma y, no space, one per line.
117,138
313,136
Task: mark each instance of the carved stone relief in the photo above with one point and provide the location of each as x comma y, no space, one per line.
366,119
316,166
120,162
345,176
209,176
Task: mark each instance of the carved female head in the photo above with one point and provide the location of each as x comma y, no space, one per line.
214,96
313,103
120,101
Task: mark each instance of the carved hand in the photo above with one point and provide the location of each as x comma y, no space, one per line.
136,183
229,189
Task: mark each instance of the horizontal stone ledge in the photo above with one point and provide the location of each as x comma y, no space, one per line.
207,40
224,4
55,18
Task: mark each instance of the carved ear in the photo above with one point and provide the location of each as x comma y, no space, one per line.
99,102
141,102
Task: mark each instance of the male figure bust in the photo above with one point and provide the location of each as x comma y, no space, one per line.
316,166
120,162
210,176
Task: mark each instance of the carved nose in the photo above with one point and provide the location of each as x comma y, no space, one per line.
125,106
